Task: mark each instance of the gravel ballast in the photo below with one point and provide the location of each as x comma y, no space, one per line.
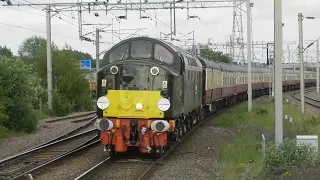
46,131
193,159
196,157
73,165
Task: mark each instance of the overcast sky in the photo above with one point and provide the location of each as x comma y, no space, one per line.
214,23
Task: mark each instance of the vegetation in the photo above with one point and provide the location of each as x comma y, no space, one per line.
18,93
218,56
4,51
287,158
208,53
245,149
23,85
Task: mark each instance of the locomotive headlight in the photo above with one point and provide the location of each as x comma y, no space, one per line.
154,71
160,126
103,103
139,106
103,124
163,104
114,69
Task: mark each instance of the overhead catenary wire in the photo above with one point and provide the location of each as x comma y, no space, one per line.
141,10
59,15
21,27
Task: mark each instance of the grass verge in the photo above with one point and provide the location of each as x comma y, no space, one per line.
4,133
247,128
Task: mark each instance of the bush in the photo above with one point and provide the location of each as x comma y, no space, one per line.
288,155
18,92
61,106
261,111
4,118
72,92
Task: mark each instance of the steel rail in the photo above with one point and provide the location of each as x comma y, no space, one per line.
19,165
91,169
86,144
83,116
309,100
69,134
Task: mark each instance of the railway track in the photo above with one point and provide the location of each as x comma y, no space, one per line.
82,128
114,168
309,100
74,118
147,172
111,168
30,161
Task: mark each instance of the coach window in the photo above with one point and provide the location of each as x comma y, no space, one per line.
163,54
120,52
141,49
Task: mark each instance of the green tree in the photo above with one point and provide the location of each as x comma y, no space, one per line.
71,89
77,55
4,51
17,95
31,47
218,56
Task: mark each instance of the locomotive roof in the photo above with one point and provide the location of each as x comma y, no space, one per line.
156,40
128,49
230,67
208,63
